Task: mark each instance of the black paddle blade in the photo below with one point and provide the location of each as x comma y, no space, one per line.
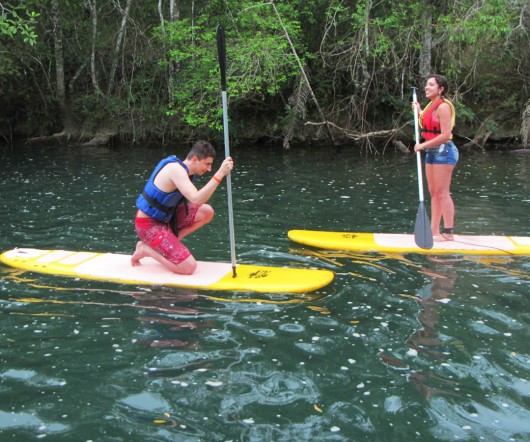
221,52
422,229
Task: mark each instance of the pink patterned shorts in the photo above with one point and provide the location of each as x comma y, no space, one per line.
160,237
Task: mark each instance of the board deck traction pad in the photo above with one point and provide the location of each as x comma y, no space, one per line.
404,243
116,267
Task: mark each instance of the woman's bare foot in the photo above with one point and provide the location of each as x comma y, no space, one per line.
139,253
446,235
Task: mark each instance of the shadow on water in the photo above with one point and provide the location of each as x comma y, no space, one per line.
397,348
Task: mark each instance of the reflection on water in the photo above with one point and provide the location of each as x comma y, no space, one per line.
397,348
426,341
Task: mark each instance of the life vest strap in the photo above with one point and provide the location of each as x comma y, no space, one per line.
157,205
433,131
169,211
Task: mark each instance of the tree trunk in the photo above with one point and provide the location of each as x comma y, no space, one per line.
164,49
364,60
58,48
117,48
94,16
525,123
174,10
174,14
304,76
66,118
425,60
525,126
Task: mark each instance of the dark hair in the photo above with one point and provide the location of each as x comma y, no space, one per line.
201,149
441,81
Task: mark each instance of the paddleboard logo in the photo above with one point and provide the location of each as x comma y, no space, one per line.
349,235
259,274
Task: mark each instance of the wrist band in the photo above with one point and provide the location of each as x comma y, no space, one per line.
216,179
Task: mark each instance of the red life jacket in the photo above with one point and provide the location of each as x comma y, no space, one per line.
430,126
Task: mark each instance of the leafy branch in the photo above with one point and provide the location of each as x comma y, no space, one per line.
12,23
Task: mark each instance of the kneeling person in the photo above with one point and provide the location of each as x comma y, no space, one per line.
171,207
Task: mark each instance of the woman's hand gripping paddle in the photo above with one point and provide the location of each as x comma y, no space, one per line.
221,52
422,229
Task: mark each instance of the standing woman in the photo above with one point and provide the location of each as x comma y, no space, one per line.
437,121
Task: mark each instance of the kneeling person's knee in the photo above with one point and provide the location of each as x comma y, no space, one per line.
187,267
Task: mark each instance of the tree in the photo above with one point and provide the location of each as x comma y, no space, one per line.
93,70
486,53
66,117
260,61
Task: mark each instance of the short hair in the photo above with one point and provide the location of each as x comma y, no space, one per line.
441,81
201,149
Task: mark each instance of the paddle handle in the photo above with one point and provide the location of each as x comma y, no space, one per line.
417,138
221,51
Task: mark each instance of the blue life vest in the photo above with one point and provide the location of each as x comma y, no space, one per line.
156,203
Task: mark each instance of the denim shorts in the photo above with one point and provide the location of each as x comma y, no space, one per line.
446,153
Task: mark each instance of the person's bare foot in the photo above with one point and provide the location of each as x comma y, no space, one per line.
138,254
186,267
446,235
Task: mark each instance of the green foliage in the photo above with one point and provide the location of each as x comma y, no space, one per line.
17,20
259,61
387,28
360,56
465,115
491,125
8,67
478,42
479,23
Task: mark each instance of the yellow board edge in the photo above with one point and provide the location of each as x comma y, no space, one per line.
279,279
365,242
254,278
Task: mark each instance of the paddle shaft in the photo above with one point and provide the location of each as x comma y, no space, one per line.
221,51
422,229
418,155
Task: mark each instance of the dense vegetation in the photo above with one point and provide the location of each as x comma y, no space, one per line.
298,70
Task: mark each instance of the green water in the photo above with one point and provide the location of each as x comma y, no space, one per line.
397,348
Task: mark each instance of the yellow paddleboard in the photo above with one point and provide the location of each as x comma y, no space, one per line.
208,276
402,243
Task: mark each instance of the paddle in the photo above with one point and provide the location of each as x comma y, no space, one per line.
221,51
422,229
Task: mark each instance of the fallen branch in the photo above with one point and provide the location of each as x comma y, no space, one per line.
357,136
